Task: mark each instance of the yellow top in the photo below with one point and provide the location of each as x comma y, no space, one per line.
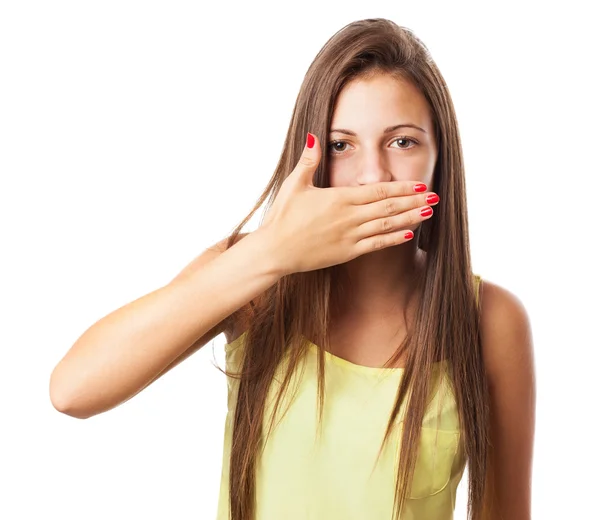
336,476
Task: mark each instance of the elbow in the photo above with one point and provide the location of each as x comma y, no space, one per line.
63,406
62,400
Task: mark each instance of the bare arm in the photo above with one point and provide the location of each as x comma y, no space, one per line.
510,367
131,347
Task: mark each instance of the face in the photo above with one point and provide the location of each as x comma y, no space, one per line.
361,151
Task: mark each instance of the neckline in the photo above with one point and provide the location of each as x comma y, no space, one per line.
354,366
360,368
341,361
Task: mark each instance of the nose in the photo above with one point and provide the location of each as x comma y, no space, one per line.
373,166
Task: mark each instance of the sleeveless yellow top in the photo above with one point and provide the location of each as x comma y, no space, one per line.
336,475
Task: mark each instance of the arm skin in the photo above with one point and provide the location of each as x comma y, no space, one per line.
510,367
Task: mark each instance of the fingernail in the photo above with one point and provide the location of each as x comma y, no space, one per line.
310,140
420,187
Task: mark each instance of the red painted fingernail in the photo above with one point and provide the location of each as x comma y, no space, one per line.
425,212
420,187
408,235
310,140
432,199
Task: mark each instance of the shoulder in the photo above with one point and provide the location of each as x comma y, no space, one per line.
505,329
508,357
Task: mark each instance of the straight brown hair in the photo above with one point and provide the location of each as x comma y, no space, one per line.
300,305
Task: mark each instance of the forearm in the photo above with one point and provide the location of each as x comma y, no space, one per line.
124,351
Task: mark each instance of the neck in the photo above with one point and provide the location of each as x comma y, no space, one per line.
382,282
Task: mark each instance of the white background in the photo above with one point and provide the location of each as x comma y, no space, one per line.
135,134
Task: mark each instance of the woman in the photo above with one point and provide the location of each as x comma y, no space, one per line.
412,304
368,363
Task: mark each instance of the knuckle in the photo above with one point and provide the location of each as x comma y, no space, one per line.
380,243
386,225
381,192
389,207
306,161
413,217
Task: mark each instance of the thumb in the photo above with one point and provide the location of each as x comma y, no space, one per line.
309,160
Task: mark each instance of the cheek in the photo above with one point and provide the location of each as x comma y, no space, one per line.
339,176
416,168
408,168
409,174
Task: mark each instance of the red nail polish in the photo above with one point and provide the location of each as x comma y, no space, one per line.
310,140
420,187
432,199
408,235
425,212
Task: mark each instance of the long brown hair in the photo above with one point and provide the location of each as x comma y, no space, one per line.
299,305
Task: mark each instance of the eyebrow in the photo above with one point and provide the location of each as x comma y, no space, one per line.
386,131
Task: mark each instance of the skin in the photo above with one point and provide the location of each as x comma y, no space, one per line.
366,107
507,345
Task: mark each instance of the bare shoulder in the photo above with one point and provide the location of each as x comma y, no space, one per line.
506,329
508,354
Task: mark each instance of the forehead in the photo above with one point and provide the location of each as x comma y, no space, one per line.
382,96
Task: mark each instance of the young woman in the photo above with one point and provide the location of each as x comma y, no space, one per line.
368,364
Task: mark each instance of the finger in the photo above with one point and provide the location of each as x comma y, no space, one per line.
387,223
309,160
380,191
391,207
378,242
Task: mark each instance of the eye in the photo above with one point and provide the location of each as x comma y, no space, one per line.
338,147
334,146
405,138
